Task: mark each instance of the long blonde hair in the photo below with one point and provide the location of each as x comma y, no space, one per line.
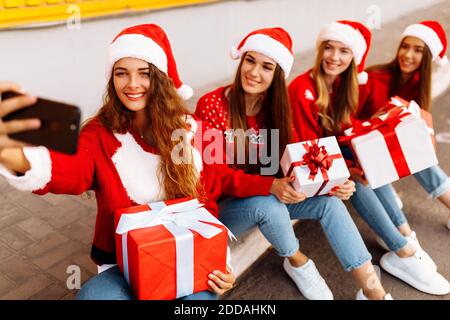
165,112
334,118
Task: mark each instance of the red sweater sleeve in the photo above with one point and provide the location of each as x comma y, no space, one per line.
74,174
374,95
304,110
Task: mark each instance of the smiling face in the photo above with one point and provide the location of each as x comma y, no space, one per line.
336,58
257,71
132,82
410,54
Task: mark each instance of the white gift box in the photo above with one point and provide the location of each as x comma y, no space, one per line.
377,159
337,173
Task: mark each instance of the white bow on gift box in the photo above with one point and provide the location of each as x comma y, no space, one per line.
413,108
179,219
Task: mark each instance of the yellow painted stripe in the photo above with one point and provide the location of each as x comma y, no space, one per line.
16,13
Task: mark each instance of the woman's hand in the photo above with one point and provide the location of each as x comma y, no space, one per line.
358,175
14,126
284,191
220,282
345,191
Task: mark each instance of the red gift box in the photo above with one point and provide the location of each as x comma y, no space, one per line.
161,256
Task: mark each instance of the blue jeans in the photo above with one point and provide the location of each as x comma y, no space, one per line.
274,220
111,285
380,211
433,180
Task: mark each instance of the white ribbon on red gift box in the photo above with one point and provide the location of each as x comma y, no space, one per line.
179,219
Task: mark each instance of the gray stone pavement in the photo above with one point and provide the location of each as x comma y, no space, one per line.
41,236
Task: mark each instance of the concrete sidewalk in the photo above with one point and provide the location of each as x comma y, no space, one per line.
40,237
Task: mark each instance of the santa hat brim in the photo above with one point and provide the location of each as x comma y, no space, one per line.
346,34
427,35
269,47
136,46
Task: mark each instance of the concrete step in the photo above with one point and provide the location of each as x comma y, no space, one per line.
248,249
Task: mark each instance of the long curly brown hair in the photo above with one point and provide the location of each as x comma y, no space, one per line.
165,112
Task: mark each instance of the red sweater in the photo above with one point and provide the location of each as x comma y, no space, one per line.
305,112
376,93
122,170
212,109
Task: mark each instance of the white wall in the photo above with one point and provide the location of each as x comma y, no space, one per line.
68,65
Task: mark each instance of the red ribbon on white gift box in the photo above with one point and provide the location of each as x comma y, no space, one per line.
179,219
316,158
387,128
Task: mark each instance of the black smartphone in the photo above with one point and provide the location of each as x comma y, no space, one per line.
60,124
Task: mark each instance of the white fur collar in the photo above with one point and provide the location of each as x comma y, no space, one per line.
138,170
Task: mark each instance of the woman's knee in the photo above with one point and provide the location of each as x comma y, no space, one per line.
108,285
333,207
267,208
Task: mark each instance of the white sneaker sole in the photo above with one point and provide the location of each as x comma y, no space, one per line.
389,268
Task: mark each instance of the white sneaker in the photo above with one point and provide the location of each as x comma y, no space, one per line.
308,280
361,296
412,239
415,272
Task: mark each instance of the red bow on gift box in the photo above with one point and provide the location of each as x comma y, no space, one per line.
316,158
387,128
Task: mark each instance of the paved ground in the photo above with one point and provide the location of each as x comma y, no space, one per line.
40,237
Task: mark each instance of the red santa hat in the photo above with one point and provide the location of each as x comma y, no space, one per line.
149,43
432,33
354,35
275,43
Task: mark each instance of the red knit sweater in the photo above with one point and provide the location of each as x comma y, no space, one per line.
212,109
122,170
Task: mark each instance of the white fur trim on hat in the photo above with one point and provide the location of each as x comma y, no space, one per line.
268,46
363,77
346,34
427,35
136,46
38,176
185,92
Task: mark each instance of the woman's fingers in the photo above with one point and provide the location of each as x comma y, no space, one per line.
220,282
10,86
6,142
13,104
14,126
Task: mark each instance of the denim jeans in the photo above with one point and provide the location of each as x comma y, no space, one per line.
380,211
274,220
433,180
111,285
